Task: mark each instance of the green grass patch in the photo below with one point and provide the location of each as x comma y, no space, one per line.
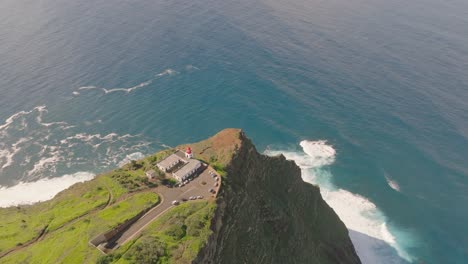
70,244
124,210
175,237
23,223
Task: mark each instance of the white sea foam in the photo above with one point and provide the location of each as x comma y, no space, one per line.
41,190
130,157
7,154
393,184
19,114
373,241
166,72
31,148
87,87
129,89
46,163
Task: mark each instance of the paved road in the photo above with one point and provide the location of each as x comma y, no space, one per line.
200,186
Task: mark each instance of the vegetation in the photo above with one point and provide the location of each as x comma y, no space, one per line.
59,230
175,237
82,211
70,243
24,223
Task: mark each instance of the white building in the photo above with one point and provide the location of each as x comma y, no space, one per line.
169,163
187,170
151,174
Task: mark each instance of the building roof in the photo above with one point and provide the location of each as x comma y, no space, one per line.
189,150
181,155
150,173
192,164
169,161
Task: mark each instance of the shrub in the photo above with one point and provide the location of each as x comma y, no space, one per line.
149,250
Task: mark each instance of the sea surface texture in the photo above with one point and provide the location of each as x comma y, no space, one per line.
370,98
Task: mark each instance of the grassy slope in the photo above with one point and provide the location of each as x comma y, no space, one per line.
85,210
181,233
79,210
23,223
70,244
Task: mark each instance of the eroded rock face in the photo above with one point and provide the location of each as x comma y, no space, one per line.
267,214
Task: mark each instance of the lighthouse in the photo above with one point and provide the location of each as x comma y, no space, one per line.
188,153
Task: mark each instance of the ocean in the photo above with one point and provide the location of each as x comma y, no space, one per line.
368,97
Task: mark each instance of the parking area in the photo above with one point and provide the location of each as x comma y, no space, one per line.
203,185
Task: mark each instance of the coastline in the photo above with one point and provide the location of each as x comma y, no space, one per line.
27,193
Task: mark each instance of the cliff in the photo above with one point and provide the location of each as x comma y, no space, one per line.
266,213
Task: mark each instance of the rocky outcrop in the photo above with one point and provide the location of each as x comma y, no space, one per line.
266,213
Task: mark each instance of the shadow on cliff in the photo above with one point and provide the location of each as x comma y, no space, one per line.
374,250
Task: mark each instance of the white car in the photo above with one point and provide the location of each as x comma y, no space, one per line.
175,202
199,197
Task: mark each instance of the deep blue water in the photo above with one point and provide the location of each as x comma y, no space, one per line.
385,83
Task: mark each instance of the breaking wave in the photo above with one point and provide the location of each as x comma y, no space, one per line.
41,190
367,225
31,148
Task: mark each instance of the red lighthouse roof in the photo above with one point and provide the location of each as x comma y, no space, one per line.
189,150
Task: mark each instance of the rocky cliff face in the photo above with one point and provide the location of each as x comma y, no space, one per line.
267,214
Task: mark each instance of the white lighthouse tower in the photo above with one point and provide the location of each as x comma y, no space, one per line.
188,153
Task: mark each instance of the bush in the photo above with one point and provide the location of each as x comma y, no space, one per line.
177,231
108,258
149,250
134,165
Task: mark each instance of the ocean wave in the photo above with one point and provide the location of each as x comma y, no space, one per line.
191,68
393,184
166,72
31,148
41,190
87,87
129,89
373,241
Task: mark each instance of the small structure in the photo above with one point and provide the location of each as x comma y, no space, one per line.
169,163
188,170
151,174
188,153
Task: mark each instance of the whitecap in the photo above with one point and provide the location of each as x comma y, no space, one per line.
41,190
393,184
166,72
19,114
87,87
127,90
